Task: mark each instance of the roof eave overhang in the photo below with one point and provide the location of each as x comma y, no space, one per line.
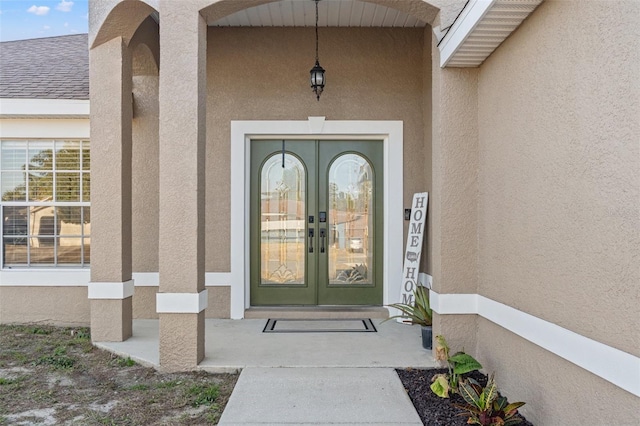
480,28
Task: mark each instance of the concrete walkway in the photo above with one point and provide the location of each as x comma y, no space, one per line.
232,345
331,396
302,378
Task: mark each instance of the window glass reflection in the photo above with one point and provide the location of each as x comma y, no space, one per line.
351,222
45,188
282,221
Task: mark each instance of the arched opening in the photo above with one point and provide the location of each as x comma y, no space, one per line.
259,70
145,63
380,74
124,90
146,48
122,21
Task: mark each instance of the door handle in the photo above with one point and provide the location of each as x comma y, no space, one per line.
310,240
322,236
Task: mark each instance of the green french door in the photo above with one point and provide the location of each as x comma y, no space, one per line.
316,222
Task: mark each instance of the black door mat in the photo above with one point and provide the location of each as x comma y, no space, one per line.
319,326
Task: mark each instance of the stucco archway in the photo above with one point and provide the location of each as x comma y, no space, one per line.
182,126
121,20
124,59
238,278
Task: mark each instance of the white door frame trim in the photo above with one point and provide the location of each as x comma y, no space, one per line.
242,132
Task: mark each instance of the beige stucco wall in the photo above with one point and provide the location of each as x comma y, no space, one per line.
145,170
70,306
263,73
427,113
559,117
556,391
219,305
559,201
144,303
65,306
452,231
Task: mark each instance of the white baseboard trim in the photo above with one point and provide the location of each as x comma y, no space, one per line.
616,366
44,277
111,290
181,303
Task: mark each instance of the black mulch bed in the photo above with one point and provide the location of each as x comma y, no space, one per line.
433,410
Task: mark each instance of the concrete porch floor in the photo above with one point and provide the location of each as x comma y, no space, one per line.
231,345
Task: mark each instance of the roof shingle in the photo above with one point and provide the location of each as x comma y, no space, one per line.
45,68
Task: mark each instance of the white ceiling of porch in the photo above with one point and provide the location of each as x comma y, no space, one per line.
331,13
474,28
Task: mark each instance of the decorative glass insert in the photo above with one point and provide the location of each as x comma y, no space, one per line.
282,221
351,221
45,208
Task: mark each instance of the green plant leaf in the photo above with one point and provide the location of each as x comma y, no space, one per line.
469,394
512,408
419,312
500,403
411,313
473,382
491,392
470,411
482,403
440,386
512,421
464,363
421,296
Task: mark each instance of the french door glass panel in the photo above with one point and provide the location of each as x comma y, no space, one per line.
316,222
282,221
350,220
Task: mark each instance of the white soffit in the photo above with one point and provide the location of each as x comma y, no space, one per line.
480,28
331,13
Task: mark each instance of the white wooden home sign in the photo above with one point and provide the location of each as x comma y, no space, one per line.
413,250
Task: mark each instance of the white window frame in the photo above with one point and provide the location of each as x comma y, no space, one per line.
50,267
44,119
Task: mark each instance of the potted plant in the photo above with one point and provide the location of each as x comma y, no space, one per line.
418,313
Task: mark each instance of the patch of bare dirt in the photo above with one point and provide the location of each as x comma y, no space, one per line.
55,376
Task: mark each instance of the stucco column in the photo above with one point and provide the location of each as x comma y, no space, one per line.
182,297
453,202
111,286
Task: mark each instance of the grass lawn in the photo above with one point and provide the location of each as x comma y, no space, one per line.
54,376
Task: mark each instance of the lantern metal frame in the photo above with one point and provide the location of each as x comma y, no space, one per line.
317,76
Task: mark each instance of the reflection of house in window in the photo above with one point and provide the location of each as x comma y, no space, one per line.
42,222
47,230
14,224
